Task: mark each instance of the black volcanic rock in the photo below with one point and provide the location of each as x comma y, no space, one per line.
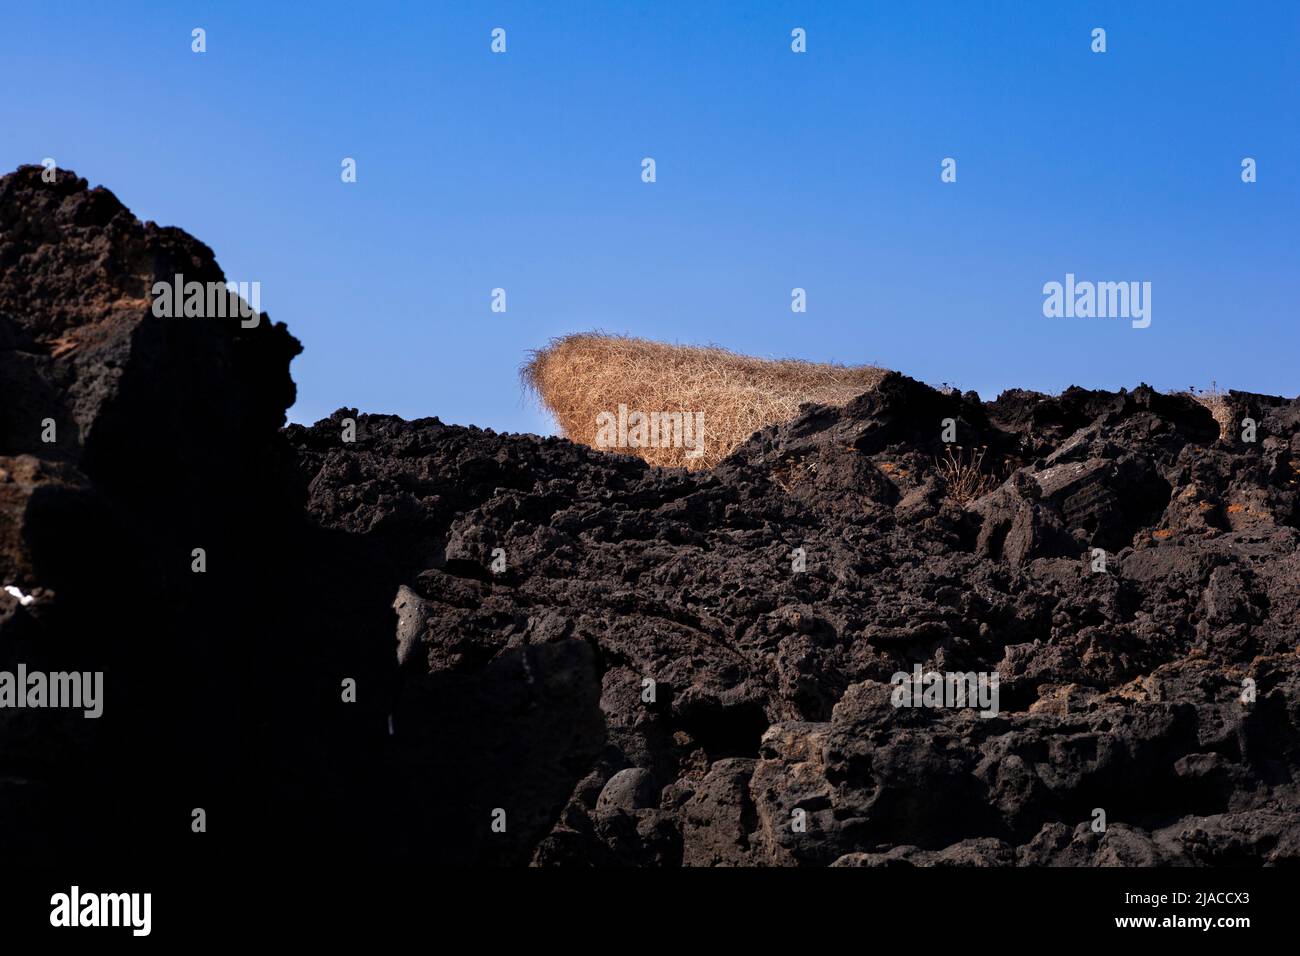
565,657
1121,691
166,440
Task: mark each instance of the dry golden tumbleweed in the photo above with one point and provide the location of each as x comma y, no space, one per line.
638,397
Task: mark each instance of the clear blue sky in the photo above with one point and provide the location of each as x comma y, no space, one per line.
775,170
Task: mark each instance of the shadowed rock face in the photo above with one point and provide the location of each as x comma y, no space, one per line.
639,676
165,440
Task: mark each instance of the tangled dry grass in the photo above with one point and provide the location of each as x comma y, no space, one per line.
1216,400
965,477
579,377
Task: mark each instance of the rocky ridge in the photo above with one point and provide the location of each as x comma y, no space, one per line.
638,666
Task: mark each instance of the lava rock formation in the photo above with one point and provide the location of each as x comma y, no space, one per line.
629,666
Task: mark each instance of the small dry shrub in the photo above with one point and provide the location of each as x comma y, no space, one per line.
965,478
1216,400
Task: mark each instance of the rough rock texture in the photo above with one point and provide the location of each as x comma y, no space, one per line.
625,666
1121,690
165,438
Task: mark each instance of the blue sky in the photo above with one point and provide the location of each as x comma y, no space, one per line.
775,170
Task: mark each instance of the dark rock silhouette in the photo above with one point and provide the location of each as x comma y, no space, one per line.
621,663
